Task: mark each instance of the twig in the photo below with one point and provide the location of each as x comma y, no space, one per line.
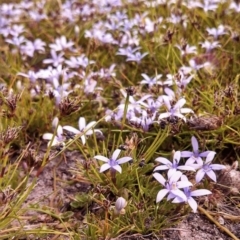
222,228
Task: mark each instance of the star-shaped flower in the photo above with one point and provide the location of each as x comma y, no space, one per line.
84,129
207,168
112,163
172,186
195,156
190,194
172,166
176,110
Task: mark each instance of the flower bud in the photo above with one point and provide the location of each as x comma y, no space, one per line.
120,204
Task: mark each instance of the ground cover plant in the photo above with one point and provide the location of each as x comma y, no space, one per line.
140,98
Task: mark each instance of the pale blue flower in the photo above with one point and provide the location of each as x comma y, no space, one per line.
112,163
172,166
171,186
55,139
190,194
207,168
176,110
84,129
194,157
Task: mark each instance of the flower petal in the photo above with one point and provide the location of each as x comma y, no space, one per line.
83,138
183,184
217,166
171,171
212,175
178,200
104,167
186,110
210,157
179,193
199,175
47,136
117,168
164,115
59,130
115,154
186,154
71,129
177,156
161,194
179,115
81,123
159,178
124,160
179,104
159,168
194,144
193,204
90,125
175,177
186,168
163,160
101,158
200,192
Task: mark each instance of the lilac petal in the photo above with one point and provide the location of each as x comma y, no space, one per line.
193,204
179,104
145,76
178,200
177,156
71,129
200,192
47,136
104,167
53,143
199,161
186,110
167,102
175,177
89,132
186,168
123,160
185,154
83,138
55,122
204,154
101,158
163,160
194,144
117,168
183,184
212,175
59,130
81,123
179,193
217,166
179,115
171,171
161,194
159,168
190,161
170,196
210,157
199,176
159,178
164,115
115,154
195,166
90,125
